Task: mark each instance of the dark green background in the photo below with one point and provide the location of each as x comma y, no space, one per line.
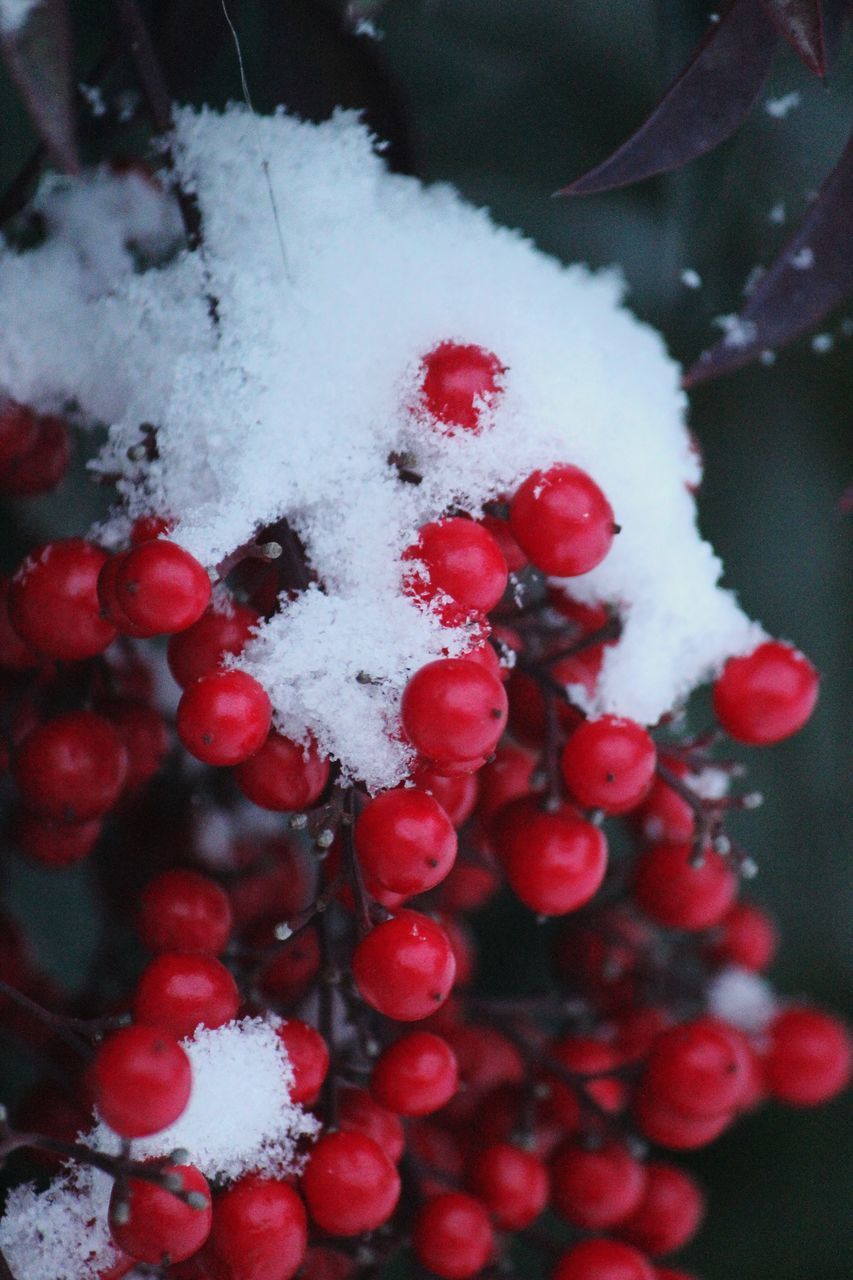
508,101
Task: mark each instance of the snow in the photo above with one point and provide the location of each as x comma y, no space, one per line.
781,107
691,279
14,14
743,999
292,404
239,1118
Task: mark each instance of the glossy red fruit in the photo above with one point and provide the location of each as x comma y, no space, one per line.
808,1059
71,768
452,1236
143,731
609,764
359,1113
223,629
458,381
159,1224
259,1231
512,1184
405,841
506,778
44,464
56,844
767,695
562,521
670,1128
184,911
53,601
596,1061
700,1068
161,588
454,711
664,817
515,558
460,559
349,1184
674,892
595,1187
18,431
308,1055
179,991
457,796
669,1214
224,717
15,655
603,1260
746,936
140,1081
405,967
555,862
415,1075
282,775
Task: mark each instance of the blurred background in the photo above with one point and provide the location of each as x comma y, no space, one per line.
509,101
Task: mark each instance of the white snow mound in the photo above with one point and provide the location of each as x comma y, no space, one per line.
293,403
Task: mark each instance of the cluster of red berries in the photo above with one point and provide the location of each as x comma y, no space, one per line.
34,451
454,1137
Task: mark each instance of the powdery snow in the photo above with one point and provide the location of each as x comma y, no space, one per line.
742,998
14,14
294,403
239,1118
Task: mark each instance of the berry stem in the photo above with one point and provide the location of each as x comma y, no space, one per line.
69,1029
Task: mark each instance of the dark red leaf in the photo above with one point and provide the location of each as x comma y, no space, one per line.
707,102
38,56
801,24
810,278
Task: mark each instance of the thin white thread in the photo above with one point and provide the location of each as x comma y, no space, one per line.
264,162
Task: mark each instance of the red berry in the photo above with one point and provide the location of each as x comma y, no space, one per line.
670,1128
808,1059
179,991
161,588
18,431
56,844
700,1068
457,796
669,1214
609,764
323,1263
149,1223
506,778
454,711
308,1055
555,862
746,936
415,1075
222,629
664,817
140,1080
452,1236
14,654
147,528
44,464
290,974
259,1231
602,1260
184,911
594,1060
458,381
512,1184
512,553
111,609
53,601
359,1113
674,892
405,967
224,717
350,1184
767,695
284,776
71,768
562,521
144,734
461,559
595,1187
405,841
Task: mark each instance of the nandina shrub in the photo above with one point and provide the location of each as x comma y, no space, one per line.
415,510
